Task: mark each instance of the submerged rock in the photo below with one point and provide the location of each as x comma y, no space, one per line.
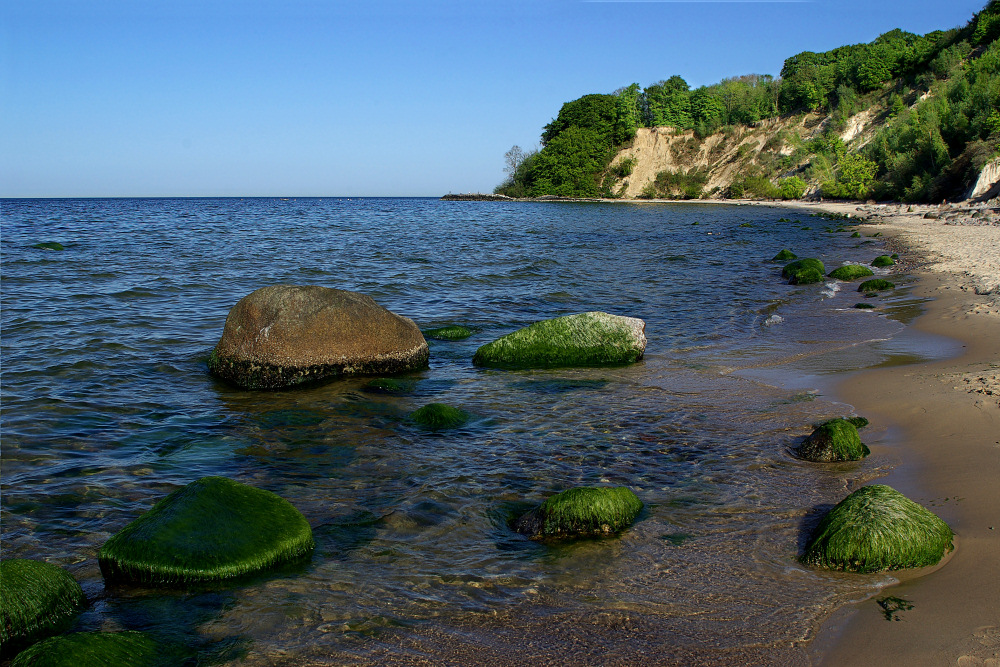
586,339
851,272
211,529
581,512
784,255
835,440
883,261
864,306
389,386
440,416
99,649
877,528
859,422
875,285
49,245
452,332
284,335
804,271
37,599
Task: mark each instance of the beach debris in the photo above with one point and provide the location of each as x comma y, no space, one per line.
439,416
876,285
585,339
883,261
37,599
285,335
877,528
135,649
851,272
451,332
835,440
586,511
213,528
804,271
891,606
49,245
784,255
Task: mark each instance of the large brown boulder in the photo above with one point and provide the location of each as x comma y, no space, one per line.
285,335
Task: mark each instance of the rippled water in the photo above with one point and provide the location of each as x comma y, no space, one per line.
107,407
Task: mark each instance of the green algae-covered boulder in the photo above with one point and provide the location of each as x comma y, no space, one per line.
859,422
452,332
36,599
864,306
49,245
878,528
804,271
835,440
784,255
875,285
581,512
586,339
285,335
211,529
851,272
440,416
883,261
99,649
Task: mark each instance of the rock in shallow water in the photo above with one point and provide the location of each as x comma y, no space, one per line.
284,335
836,440
585,339
581,512
36,599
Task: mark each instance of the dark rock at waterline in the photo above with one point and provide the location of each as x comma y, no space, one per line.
784,255
883,261
585,339
835,440
581,512
851,272
859,422
284,335
875,285
37,599
877,528
804,271
864,306
49,245
212,529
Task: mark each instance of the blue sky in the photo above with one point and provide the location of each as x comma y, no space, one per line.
372,97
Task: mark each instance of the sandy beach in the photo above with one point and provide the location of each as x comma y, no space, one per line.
943,419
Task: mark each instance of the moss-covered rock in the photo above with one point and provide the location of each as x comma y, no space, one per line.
864,306
875,285
286,335
581,512
211,529
859,422
804,271
835,440
856,235
452,332
49,245
439,416
586,339
883,261
784,255
877,528
37,599
99,649
851,272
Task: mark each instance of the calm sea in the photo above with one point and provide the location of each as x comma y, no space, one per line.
107,407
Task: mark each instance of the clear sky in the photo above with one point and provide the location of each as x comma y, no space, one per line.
359,97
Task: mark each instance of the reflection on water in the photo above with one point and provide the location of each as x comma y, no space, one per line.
107,407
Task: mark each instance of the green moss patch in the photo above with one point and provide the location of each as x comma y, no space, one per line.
877,528
98,649
858,422
804,271
856,235
440,416
851,272
36,599
581,512
883,261
586,339
864,306
835,440
453,332
875,285
211,529
784,256
49,245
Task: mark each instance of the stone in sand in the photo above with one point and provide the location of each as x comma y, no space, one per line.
581,512
586,339
284,335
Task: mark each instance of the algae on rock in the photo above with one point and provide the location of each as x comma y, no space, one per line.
784,255
875,285
585,339
211,529
835,440
451,332
878,528
36,599
804,271
851,272
581,512
99,649
883,261
440,416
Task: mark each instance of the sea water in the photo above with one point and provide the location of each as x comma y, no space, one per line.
108,406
